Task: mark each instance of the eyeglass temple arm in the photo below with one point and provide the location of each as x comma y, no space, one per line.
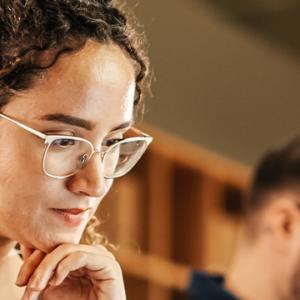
44,136
139,132
33,131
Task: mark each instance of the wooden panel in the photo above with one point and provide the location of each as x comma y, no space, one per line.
160,206
219,230
181,206
160,216
130,216
136,287
194,157
187,216
161,271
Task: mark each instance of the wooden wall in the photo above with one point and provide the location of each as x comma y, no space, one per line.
179,208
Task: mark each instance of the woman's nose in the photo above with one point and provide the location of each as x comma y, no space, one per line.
90,179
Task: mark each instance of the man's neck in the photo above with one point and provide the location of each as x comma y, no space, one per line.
256,273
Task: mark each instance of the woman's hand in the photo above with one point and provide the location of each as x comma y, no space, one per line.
71,271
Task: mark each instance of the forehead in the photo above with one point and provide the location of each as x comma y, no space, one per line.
104,63
96,83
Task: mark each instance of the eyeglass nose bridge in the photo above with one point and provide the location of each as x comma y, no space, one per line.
85,158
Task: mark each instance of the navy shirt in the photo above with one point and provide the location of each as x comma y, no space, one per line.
205,286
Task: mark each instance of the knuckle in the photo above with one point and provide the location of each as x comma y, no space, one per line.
105,251
101,247
80,255
117,267
64,247
61,267
111,256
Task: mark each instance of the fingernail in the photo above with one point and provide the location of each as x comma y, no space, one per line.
19,281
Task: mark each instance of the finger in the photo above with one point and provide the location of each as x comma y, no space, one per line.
30,295
65,249
45,270
29,266
104,266
25,251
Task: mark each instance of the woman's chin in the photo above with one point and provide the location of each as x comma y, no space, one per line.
48,245
68,240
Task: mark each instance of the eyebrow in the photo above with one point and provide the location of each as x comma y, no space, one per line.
75,121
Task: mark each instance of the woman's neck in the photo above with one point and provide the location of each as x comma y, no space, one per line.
5,246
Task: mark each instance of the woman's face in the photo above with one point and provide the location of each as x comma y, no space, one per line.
96,85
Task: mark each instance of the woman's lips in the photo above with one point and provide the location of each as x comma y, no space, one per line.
71,217
73,211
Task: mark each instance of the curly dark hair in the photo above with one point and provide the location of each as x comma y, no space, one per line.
35,33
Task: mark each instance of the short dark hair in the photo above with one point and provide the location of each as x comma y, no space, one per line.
31,28
278,169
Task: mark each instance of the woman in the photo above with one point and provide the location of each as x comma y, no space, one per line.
70,76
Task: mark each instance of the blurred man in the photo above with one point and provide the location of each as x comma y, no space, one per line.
267,263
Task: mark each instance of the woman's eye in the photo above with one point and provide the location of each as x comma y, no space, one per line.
112,141
63,142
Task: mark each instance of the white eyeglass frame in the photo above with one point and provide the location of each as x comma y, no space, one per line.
50,138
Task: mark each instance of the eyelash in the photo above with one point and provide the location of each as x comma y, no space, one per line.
110,142
106,143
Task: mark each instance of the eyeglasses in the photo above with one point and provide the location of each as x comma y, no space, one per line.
65,155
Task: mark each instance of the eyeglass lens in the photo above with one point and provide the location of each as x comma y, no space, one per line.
66,156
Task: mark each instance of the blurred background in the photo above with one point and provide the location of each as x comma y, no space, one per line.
226,89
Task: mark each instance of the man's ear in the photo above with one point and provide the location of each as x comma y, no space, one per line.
281,222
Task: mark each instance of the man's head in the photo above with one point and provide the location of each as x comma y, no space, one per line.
75,59
273,214
276,176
